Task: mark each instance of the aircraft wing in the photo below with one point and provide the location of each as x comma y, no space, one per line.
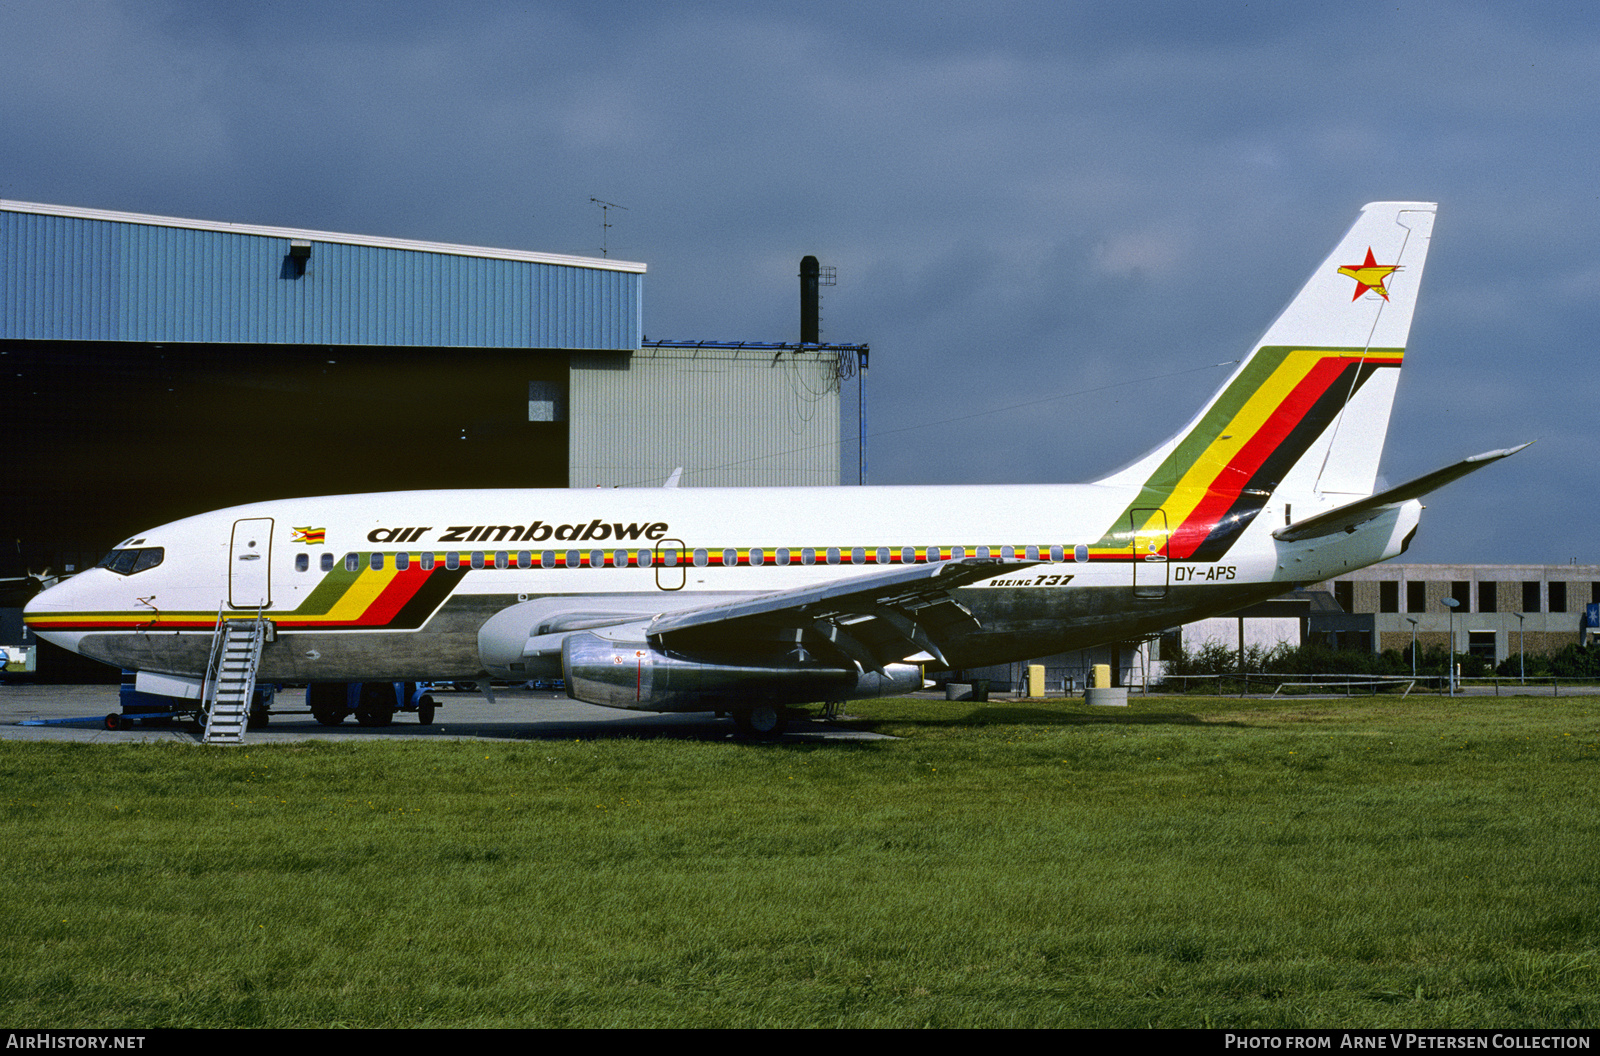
1363,510
875,619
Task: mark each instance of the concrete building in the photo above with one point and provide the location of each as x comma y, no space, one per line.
1501,610
729,414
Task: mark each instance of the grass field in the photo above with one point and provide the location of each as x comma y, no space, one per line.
1182,862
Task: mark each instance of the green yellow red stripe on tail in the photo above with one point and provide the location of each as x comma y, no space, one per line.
1213,483
1306,414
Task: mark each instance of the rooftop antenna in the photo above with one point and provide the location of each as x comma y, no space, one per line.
605,220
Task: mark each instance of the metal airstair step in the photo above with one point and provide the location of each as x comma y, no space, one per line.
231,677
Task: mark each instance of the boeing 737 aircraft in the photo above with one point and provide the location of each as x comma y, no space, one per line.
746,600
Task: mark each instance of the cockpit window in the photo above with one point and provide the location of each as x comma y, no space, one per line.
129,561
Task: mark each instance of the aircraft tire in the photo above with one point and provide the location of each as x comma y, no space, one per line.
326,701
764,721
378,704
425,710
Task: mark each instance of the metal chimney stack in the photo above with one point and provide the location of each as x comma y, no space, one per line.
810,301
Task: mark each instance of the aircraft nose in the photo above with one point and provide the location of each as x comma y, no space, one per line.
47,612
36,605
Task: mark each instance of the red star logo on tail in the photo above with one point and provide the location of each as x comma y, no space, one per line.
1369,275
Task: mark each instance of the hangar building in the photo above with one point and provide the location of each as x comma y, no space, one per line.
157,367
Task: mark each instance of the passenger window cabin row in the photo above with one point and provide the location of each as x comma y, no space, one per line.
670,557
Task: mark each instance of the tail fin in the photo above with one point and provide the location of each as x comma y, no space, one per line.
1307,410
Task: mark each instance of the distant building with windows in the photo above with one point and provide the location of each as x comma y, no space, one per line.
1501,610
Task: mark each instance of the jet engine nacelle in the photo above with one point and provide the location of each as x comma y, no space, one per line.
619,668
524,640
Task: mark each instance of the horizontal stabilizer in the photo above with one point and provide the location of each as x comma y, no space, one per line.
1363,510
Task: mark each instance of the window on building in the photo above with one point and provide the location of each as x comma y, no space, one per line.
1416,596
1558,595
1389,595
1530,595
1344,594
1481,644
1461,590
1487,599
1356,641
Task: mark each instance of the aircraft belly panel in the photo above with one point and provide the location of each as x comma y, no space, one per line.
165,652
446,647
1019,624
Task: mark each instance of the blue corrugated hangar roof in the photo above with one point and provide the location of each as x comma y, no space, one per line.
69,274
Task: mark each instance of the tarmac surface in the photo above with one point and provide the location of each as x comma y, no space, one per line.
77,713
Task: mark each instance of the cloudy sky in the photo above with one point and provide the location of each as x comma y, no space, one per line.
1049,219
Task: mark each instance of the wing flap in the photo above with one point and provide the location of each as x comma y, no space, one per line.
873,620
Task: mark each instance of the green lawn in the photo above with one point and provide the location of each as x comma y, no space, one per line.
1181,862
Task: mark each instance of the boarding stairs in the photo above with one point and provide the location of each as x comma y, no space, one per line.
231,677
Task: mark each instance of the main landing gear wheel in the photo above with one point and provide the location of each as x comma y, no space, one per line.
762,720
326,700
377,705
425,710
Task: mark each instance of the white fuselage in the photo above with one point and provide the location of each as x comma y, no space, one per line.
326,571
